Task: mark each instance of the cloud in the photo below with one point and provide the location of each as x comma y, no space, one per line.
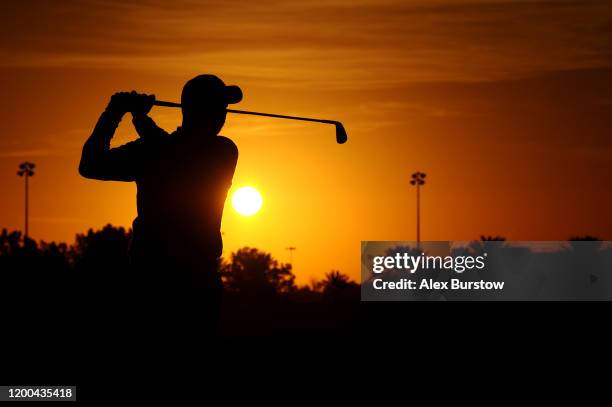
337,44
45,145
26,153
52,220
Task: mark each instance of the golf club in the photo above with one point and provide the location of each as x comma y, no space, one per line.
341,136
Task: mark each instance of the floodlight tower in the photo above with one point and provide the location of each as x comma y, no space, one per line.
418,179
26,170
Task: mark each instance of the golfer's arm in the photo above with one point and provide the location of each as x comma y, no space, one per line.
147,128
98,160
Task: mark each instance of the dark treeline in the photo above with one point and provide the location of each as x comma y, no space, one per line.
84,283
261,295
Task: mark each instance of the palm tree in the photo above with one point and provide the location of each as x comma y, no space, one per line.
578,243
490,238
335,280
585,238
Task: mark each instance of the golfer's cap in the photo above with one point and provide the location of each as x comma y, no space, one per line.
209,89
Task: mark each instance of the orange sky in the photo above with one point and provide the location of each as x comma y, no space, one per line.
506,105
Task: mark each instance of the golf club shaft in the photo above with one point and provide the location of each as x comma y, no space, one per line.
278,116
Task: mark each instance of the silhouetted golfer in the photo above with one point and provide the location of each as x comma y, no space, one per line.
182,181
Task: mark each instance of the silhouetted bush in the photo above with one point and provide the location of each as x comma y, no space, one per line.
251,271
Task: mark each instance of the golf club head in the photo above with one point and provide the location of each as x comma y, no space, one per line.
341,136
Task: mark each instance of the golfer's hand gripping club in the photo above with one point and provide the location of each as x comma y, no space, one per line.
133,102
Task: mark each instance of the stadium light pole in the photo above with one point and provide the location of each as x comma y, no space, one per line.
418,179
291,249
26,170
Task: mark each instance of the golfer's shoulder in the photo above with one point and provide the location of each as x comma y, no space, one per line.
226,146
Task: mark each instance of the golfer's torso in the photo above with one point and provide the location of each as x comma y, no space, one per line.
182,185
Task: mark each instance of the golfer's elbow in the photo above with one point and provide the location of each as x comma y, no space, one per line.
89,167
86,170
92,157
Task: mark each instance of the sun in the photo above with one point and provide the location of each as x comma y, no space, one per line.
247,201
